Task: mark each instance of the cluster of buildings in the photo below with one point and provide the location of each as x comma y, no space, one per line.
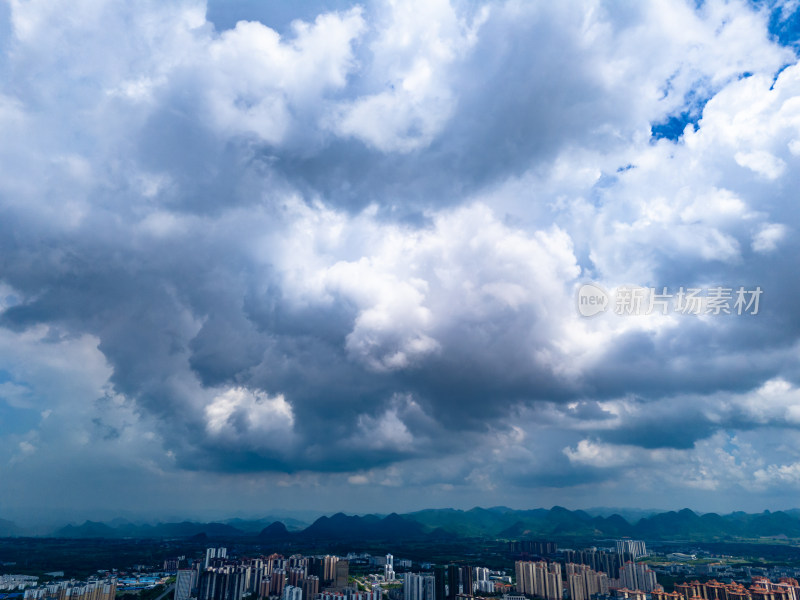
449,582
722,570
637,576
540,578
103,587
589,573
544,580
93,589
367,560
584,583
388,568
598,560
17,582
220,577
589,576
584,575
633,548
297,577
761,588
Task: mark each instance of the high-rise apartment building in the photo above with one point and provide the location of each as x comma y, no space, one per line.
484,586
184,582
341,574
329,570
636,548
277,582
598,560
583,583
296,575
539,548
761,589
419,586
467,581
214,553
310,587
453,582
222,583
388,569
291,592
440,582
93,589
637,576
539,579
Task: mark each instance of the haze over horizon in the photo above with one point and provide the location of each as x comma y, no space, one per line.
327,256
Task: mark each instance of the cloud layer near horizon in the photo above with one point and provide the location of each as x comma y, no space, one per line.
331,261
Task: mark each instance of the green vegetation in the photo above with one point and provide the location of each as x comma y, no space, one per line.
362,587
83,558
150,594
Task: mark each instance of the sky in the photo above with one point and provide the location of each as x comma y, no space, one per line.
326,256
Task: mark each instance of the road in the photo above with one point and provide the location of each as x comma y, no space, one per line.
166,592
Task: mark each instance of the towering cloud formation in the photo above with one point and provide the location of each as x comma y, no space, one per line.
340,252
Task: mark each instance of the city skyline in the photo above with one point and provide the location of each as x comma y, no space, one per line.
216,574
386,256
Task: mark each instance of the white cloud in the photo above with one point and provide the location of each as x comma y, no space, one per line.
250,416
762,163
768,237
414,288
256,80
601,455
779,475
414,50
387,431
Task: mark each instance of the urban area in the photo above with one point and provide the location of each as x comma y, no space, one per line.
541,570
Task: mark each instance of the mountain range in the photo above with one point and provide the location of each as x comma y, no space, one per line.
497,523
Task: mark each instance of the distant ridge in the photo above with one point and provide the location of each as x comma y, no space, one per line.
442,524
341,526
274,531
89,529
186,529
561,522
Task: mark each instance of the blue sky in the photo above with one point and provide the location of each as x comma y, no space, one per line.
325,255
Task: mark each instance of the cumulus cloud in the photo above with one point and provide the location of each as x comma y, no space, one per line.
767,238
413,53
342,251
599,455
240,415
